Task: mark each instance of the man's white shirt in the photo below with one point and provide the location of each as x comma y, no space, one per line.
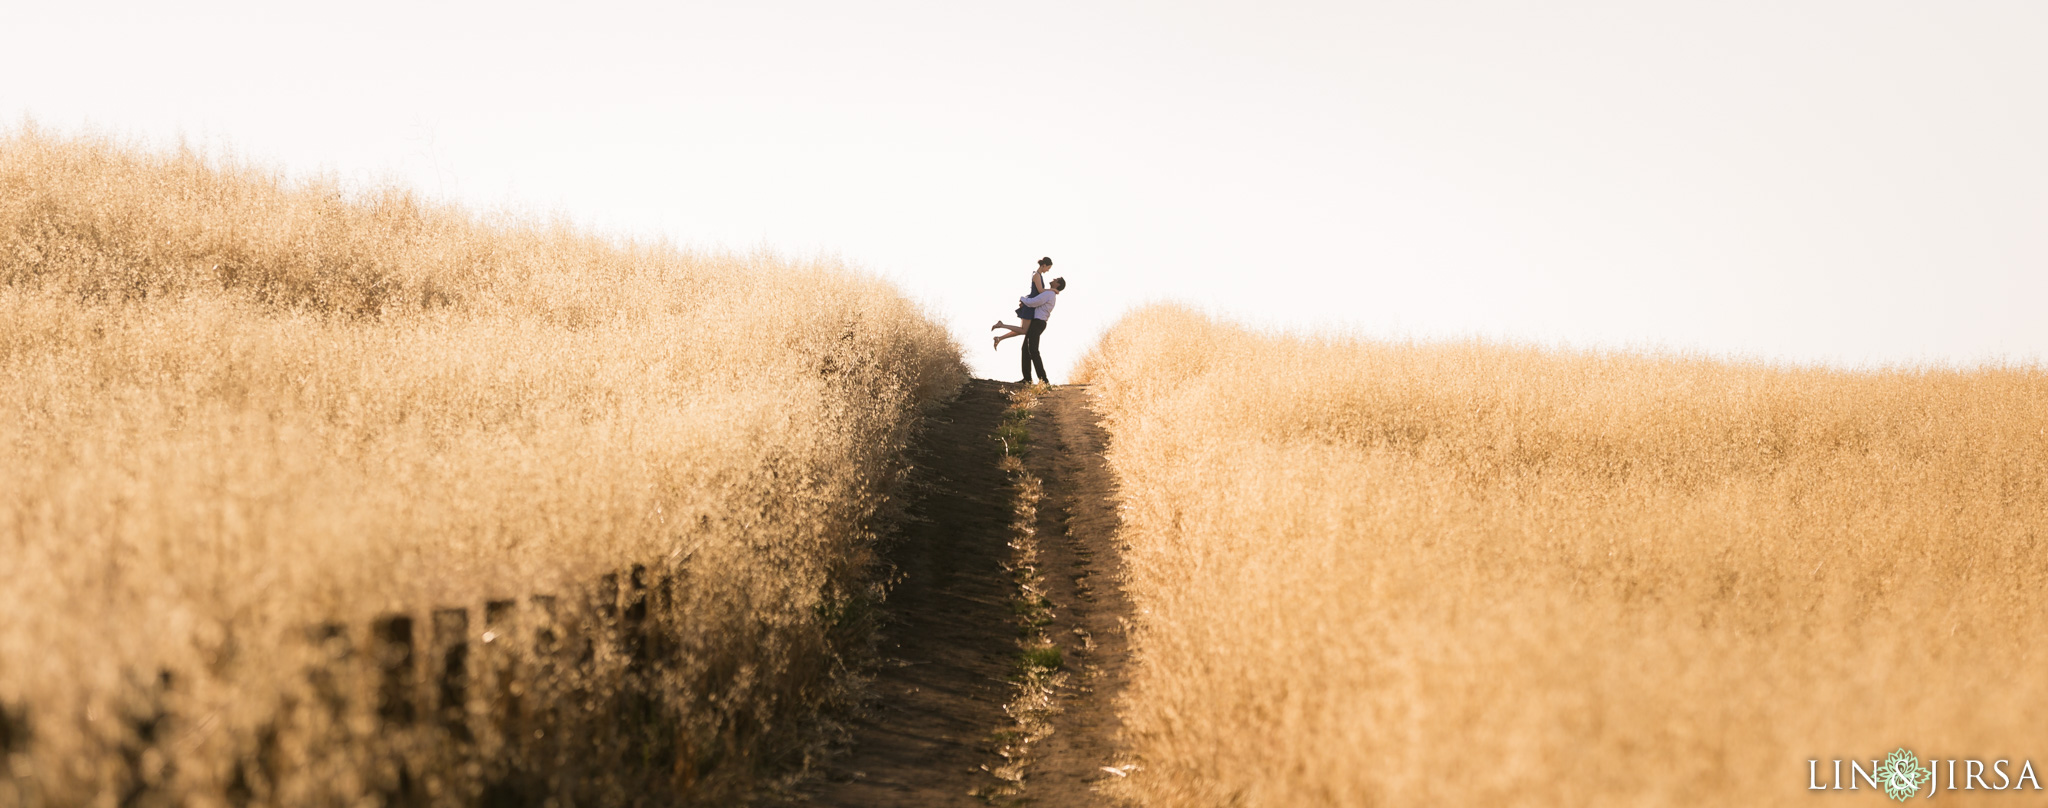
1041,303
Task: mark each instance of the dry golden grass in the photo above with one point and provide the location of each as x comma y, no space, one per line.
234,408
1385,574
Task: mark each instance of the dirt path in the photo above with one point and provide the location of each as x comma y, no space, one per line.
1082,566
950,645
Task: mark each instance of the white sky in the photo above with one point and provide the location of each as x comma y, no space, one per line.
1847,182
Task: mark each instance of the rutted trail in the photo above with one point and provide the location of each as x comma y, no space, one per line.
950,638
1077,522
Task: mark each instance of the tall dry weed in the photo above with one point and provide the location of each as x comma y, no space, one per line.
263,438
1467,574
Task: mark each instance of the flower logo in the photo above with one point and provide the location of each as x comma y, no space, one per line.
1901,775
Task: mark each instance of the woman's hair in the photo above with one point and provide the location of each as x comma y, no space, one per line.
1045,262
1060,284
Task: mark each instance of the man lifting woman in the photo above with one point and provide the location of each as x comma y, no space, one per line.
1032,312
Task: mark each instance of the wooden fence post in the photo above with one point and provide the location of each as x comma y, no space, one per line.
332,649
451,646
501,623
633,620
391,637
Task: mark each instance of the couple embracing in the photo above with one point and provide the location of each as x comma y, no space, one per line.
1032,311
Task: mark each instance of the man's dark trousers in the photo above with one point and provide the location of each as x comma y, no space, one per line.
1031,358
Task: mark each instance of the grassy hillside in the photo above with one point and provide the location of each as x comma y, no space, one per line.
283,462
1375,573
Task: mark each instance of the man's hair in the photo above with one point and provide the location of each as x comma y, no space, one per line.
1045,262
1060,284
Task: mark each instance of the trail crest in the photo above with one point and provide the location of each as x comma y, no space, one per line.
949,642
